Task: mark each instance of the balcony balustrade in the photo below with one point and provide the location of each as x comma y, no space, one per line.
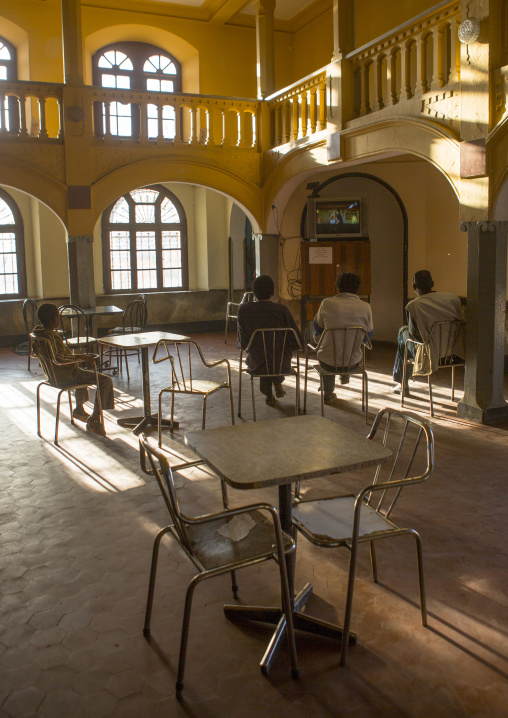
299,111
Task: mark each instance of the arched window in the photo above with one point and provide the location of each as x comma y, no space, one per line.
9,115
12,252
144,240
135,66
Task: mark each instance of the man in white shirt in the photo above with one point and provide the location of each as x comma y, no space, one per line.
345,309
428,308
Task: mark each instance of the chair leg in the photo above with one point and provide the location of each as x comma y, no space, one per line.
288,611
366,398
430,395
240,387
153,574
421,577
226,332
234,585
253,398
204,413
185,635
70,407
58,415
453,383
305,385
159,420
321,391
373,560
39,411
127,366
231,403
349,604
29,352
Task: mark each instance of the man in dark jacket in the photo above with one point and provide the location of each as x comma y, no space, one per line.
265,314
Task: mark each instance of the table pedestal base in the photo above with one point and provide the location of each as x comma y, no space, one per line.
301,621
140,423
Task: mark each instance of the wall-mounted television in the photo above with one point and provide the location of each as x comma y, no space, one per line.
334,218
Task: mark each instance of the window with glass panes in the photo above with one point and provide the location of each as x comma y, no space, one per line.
9,113
144,241
12,259
135,66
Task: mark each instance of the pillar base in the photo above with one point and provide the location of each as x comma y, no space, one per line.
493,415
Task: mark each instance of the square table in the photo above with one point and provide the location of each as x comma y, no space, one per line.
142,341
277,453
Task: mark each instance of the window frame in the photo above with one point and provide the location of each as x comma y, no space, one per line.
138,53
19,232
132,227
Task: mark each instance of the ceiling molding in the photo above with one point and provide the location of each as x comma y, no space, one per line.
228,10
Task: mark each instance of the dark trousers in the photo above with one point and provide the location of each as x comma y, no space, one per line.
398,366
329,379
265,383
86,376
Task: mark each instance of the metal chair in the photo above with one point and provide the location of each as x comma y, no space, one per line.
272,343
75,328
232,310
134,320
213,553
183,380
346,342
347,521
30,320
43,350
442,342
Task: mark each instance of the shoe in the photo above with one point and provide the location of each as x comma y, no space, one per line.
330,398
279,391
97,427
397,389
344,378
270,400
81,414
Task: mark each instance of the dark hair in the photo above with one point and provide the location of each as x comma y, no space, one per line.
46,313
349,282
423,280
263,287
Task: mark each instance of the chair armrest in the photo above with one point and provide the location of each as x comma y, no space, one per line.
78,359
209,365
161,342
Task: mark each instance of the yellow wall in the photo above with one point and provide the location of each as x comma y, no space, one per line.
313,46
374,18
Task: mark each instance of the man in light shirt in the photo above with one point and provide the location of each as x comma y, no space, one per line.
428,308
345,309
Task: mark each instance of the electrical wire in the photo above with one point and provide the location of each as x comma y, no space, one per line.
293,275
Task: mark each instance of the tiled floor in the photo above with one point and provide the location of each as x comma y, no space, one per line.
77,524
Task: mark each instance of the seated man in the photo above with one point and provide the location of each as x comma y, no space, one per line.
345,309
428,307
265,314
67,376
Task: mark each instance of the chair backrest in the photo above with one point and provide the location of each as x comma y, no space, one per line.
412,444
141,298
273,345
43,350
182,362
346,344
74,324
445,339
135,317
162,472
248,297
29,314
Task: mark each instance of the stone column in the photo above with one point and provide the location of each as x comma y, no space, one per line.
265,65
81,275
483,400
340,108
72,42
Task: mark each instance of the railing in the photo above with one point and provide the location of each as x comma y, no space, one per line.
417,57
176,119
299,110
31,110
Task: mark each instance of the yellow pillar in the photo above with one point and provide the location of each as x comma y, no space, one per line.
265,69
340,106
72,42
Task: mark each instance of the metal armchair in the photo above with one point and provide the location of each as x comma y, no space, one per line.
30,320
347,343
347,521
183,379
232,311
439,348
75,328
272,344
213,553
43,350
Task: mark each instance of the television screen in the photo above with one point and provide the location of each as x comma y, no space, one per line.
337,216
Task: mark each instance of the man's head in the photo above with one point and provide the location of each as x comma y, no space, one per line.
422,281
263,287
349,282
48,316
